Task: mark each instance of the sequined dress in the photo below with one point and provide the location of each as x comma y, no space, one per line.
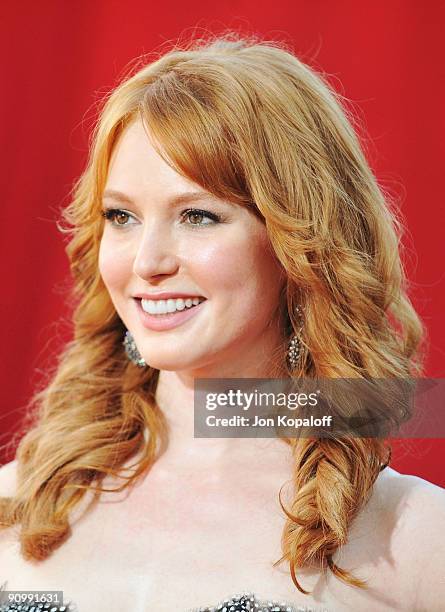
238,603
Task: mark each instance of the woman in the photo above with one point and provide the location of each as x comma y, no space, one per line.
227,226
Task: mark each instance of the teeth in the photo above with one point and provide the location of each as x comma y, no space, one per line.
156,307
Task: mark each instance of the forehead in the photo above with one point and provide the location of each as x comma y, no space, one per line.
136,166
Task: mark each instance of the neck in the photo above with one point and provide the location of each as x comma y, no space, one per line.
175,397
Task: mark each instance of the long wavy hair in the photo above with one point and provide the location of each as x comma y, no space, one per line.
249,122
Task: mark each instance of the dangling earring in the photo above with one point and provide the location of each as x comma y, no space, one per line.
132,351
294,348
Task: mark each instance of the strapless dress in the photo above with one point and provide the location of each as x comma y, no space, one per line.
246,602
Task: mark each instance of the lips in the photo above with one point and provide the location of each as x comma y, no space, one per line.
163,307
165,295
163,322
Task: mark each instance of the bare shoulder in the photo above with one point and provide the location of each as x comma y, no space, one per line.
407,483
413,499
8,479
418,510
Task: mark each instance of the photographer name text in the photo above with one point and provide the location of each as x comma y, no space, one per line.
269,421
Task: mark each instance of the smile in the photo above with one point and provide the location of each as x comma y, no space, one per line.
162,307
171,313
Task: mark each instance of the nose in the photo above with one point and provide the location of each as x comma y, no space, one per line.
156,254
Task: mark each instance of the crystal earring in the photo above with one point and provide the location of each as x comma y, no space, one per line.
294,348
132,351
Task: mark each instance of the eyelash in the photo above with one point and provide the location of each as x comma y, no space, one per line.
111,213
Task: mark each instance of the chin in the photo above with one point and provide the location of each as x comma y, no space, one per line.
172,363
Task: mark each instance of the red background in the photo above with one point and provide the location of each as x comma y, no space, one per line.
58,57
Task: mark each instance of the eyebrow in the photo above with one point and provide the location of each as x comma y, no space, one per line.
182,198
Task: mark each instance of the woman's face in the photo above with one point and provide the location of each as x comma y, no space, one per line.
153,242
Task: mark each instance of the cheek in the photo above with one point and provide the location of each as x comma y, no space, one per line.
243,266
217,266
114,265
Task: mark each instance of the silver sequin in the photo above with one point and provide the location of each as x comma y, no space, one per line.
247,602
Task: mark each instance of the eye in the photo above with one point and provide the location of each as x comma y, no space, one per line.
196,213
117,217
121,218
